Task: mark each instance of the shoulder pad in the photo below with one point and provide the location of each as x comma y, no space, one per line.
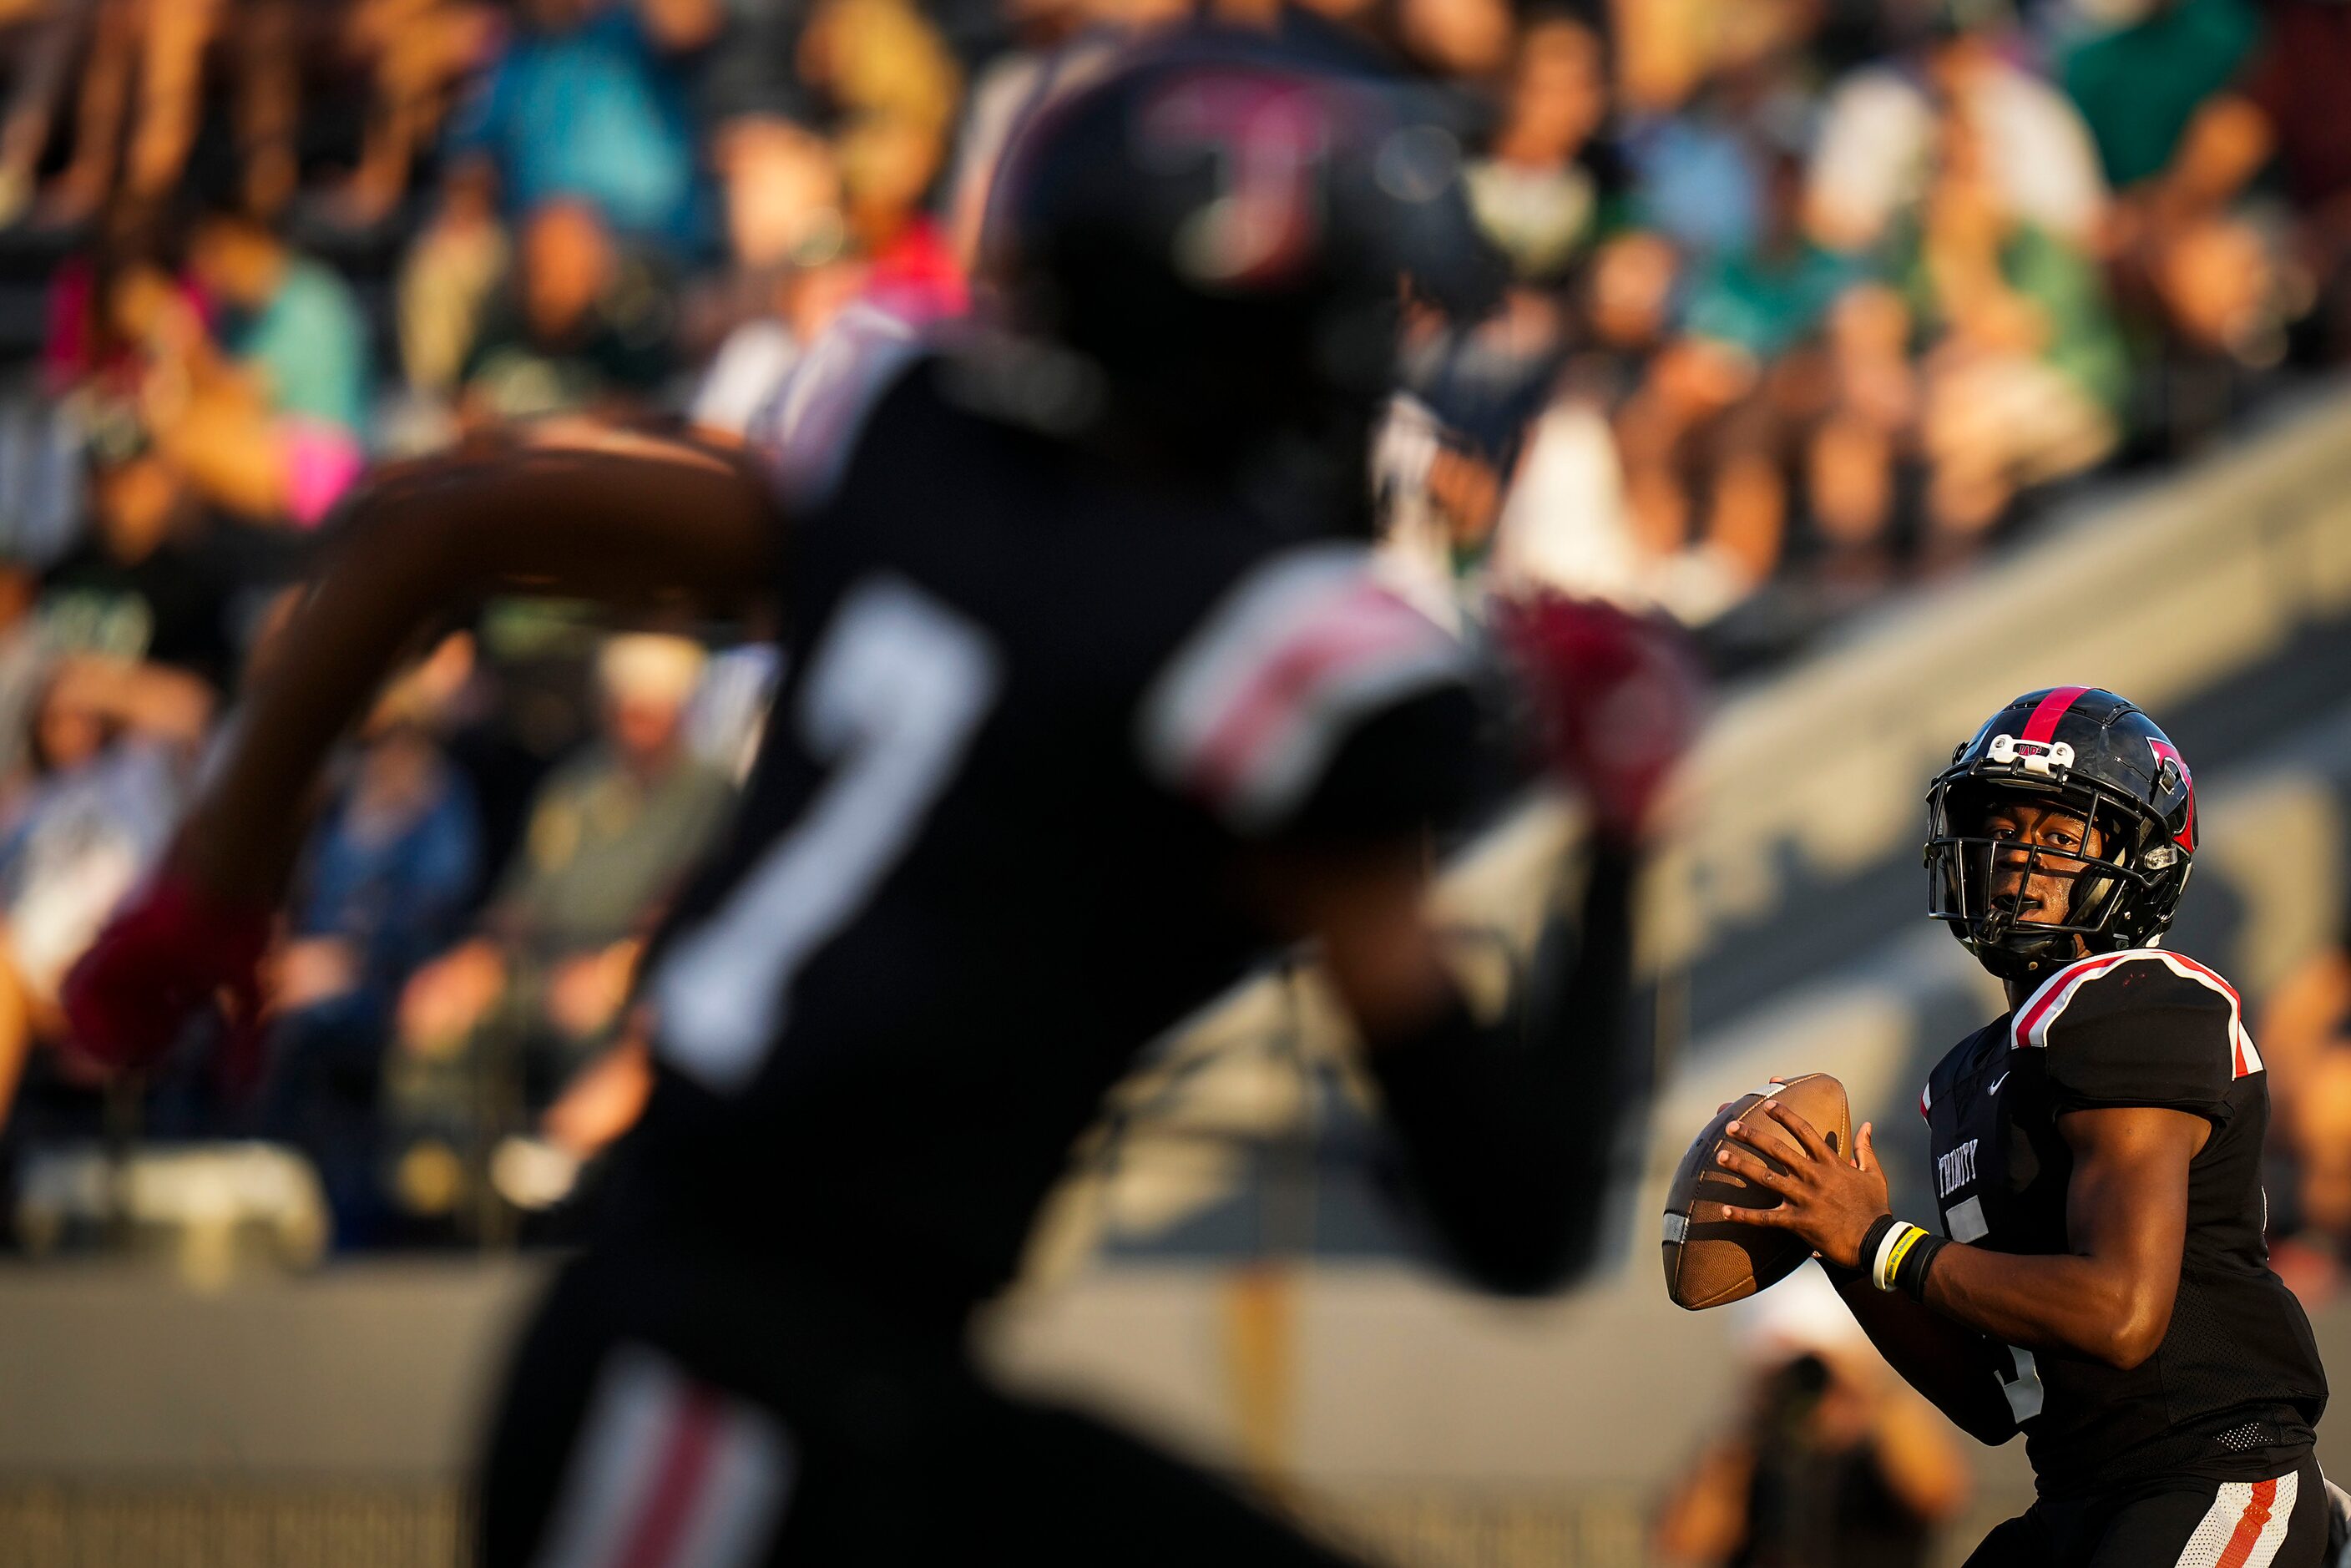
1304,649
809,425
2196,985
2138,1027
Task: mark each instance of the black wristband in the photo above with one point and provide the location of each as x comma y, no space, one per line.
1871,1240
1910,1275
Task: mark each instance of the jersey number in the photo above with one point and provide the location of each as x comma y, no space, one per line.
894,694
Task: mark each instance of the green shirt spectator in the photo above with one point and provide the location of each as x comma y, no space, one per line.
2138,86
606,842
2068,291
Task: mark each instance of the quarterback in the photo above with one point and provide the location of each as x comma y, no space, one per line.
2098,1278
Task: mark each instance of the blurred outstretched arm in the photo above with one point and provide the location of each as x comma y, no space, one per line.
625,521
1510,1126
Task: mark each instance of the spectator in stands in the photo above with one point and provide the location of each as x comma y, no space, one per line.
24,659
888,75
787,241
1713,436
272,427
415,53
1664,53
389,874
155,579
1564,523
1541,190
2178,145
1876,148
2143,80
2025,371
1860,450
1464,41
48,39
580,327
2305,1039
1701,174
136,104
446,283
107,304
537,992
2304,118
113,745
589,103
1837,1465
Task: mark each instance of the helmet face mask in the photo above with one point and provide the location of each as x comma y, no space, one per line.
2098,760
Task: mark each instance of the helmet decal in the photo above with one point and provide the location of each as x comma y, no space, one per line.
2042,757
1268,136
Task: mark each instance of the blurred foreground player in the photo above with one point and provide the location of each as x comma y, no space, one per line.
2105,1285
1091,698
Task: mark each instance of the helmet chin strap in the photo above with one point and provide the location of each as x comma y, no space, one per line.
1998,952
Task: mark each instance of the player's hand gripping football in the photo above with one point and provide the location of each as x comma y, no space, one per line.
173,950
1828,1202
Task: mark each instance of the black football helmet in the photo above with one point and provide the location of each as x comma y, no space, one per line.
2097,756
1228,230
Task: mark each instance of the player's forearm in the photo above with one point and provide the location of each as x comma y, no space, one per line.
1512,1127
1942,1360
2077,1305
356,621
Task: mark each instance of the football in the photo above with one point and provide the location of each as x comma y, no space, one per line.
1711,1256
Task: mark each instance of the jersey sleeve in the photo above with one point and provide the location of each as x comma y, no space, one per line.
1313,702
808,425
2141,1027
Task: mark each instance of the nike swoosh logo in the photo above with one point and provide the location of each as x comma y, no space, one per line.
1996,1083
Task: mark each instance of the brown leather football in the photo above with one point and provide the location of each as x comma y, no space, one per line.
1711,1257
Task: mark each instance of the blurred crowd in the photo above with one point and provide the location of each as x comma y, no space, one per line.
1811,298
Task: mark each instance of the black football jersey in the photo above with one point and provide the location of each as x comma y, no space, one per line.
2236,1387
1037,711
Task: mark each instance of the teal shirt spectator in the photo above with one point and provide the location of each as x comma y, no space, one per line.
592,112
311,342
1767,301
2138,86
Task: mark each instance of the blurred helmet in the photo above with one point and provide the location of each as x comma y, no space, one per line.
1228,232
2096,756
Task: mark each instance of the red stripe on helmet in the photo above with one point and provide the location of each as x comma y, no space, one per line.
2042,725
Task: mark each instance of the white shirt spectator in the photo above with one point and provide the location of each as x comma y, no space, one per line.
1877,141
1564,526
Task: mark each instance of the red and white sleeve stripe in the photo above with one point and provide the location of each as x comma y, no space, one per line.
667,1473
2031,1025
1247,714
